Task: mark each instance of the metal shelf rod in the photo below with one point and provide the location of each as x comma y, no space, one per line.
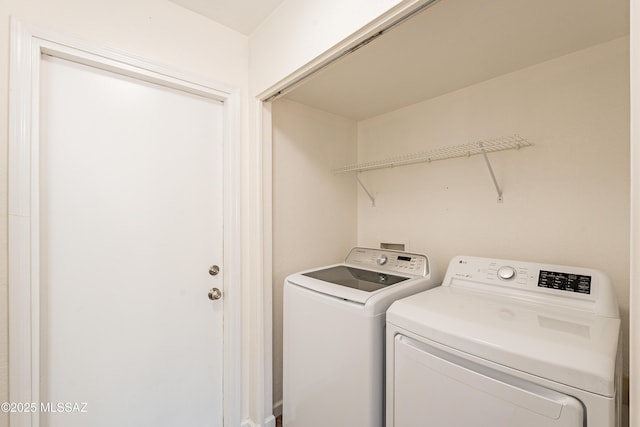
373,200
493,176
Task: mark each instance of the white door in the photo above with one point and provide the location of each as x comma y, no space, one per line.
131,221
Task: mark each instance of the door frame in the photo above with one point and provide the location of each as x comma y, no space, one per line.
28,44
634,288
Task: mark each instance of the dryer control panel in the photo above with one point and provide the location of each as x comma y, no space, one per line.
570,282
575,287
389,261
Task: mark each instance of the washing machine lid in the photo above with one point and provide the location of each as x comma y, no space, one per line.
376,276
346,282
571,347
356,278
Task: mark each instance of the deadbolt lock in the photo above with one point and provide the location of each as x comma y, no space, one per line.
214,270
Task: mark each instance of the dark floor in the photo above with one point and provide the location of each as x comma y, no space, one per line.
279,421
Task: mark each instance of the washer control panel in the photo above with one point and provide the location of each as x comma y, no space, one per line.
390,261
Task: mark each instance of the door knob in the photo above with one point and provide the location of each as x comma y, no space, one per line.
215,294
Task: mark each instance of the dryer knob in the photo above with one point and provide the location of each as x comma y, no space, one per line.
382,260
506,273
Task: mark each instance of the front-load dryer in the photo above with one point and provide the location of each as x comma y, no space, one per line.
334,319
506,343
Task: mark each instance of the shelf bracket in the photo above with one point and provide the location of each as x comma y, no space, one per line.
373,200
493,176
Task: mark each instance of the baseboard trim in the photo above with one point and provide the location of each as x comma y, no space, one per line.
277,408
248,423
269,422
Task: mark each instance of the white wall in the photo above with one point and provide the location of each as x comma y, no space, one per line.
566,200
301,30
314,210
157,30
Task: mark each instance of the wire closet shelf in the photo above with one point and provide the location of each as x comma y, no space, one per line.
510,142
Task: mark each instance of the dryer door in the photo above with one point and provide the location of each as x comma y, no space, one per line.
436,388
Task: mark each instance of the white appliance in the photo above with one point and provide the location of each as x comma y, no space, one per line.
506,343
334,319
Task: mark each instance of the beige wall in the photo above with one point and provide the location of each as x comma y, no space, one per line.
566,200
314,210
298,31
156,30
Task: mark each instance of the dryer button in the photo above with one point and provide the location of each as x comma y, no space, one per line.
506,273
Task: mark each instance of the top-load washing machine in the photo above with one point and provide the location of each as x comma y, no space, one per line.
334,319
506,343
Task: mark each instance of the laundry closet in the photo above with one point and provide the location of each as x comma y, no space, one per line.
548,80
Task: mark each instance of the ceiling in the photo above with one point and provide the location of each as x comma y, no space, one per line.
243,16
457,43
